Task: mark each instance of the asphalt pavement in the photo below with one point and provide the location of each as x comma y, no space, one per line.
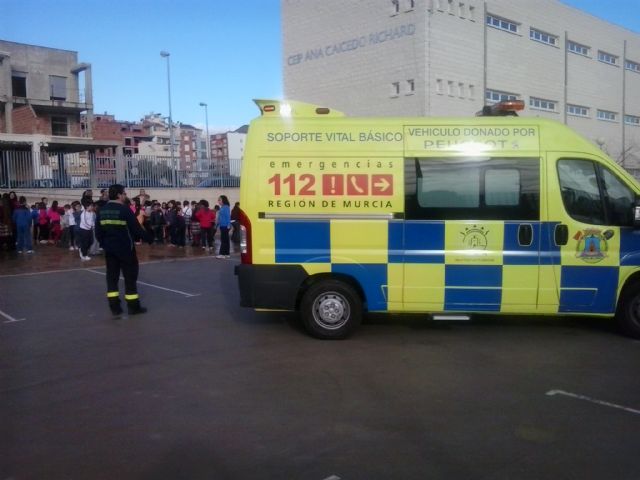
199,388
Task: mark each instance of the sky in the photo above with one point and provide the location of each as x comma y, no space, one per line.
223,52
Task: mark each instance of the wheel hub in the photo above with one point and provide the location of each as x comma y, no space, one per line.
331,310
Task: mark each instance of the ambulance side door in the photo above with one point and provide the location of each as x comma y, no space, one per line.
592,209
472,234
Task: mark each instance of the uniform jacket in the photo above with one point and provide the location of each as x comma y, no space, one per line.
117,228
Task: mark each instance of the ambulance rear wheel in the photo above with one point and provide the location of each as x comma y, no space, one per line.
331,309
628,314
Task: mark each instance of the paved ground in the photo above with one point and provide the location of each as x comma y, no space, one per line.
199,388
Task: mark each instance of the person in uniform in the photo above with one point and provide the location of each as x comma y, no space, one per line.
117,229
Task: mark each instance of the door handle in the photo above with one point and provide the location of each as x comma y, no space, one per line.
561,234
525,235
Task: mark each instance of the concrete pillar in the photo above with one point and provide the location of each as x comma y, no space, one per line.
8,114
6,91
120,165
88,98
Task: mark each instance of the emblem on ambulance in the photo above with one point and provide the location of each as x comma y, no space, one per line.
475,237
592,245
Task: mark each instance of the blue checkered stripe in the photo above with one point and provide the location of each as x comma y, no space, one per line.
588,289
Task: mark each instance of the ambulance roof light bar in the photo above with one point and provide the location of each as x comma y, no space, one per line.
502,109
284,108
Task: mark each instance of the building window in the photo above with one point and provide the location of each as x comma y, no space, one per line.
19,84
461,10
493,96
542,104
439,87
632,120
472,13
461,90
395,89
395,7
450,7
629,65
472,92
502,24
543,37
57,87
578,48
578,110
605,57
450,88
411,87
59,126
411,4
607,116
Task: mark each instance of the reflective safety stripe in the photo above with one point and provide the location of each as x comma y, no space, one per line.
112,294
113,222
135,296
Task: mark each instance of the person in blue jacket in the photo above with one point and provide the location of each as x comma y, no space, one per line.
22,219
224,220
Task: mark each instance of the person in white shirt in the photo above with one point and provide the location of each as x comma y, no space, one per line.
87,223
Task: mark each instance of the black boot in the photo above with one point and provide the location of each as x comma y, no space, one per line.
114,306
134,307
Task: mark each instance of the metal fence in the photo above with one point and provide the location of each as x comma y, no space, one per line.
24,169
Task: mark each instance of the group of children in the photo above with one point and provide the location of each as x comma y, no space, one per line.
190,223
72,225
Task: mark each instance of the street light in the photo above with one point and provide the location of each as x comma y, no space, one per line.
165,54
206,117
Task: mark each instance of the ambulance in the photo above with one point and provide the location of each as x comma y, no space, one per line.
494,214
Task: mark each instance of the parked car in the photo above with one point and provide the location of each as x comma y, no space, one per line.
220,182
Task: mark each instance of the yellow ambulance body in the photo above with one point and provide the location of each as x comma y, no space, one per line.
450,216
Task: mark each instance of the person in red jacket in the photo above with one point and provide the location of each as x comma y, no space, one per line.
207,219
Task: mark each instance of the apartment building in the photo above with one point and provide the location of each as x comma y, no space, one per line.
227,151
450,57
43,92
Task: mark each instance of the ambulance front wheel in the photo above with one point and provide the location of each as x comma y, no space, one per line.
628,314
331,309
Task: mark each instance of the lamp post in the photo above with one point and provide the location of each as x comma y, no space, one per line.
206,118
165,54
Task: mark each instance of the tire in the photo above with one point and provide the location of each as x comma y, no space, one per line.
331,309
628,312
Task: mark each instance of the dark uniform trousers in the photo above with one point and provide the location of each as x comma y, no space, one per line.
128,264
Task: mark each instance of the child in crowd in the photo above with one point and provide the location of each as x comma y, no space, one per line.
157,223
22,219
187,213
43,223
87,223
170,220
68,223
34,221
195,225
54,219
179,227
76,208
207,219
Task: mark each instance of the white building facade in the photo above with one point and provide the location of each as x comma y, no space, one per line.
451,57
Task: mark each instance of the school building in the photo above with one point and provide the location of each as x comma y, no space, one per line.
450,57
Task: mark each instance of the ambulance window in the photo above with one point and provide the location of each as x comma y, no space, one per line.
472,189
619,198
450,188
502,187
580,191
